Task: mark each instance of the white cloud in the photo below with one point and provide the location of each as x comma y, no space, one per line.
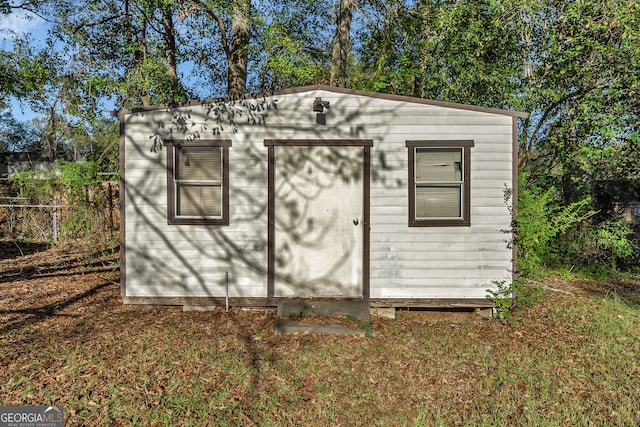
18,23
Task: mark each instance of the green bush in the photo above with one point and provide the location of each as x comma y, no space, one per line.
538,224
605,245
550,234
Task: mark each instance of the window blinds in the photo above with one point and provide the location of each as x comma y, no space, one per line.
199,181
439,180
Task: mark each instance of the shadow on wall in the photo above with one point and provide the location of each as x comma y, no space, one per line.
242,247
318,192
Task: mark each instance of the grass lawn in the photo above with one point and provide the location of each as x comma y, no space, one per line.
66,339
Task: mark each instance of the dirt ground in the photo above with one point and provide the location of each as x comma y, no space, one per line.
42,285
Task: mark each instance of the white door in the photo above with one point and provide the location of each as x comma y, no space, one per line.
318,221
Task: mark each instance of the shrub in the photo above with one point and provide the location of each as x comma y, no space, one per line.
75,186
539,221
608,244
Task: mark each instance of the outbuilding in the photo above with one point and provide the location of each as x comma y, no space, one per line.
316,193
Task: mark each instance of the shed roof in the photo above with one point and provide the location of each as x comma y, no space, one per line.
334,89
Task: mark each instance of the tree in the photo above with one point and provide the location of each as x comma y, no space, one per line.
233,30
26,71
17,136
454,50
290,44
582,83
341,45
127,49
29,74
237,79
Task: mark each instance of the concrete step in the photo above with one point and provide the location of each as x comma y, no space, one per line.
291,310
296,307
288,326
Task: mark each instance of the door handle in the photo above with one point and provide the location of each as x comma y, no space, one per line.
356,221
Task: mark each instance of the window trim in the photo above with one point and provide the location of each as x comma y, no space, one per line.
465,219
172,218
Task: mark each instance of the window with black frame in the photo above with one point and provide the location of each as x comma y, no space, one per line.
198,182
439,183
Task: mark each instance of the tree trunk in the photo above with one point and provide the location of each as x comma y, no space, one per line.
341,43
237,78
141,56
137,40
171,52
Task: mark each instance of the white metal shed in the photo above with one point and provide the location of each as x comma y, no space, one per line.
316,192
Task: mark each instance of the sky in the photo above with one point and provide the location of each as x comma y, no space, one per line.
20,22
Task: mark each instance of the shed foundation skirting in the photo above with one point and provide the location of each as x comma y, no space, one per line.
435,303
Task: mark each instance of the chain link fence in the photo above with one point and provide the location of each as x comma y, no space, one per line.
55,220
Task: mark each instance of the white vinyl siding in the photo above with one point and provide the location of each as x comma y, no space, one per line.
168,260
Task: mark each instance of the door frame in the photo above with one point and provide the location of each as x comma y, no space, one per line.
366,145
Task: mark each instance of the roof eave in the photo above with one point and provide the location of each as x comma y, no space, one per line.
301,89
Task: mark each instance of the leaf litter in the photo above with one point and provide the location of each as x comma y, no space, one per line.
66,338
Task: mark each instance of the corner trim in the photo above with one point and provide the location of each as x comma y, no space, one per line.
123,220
